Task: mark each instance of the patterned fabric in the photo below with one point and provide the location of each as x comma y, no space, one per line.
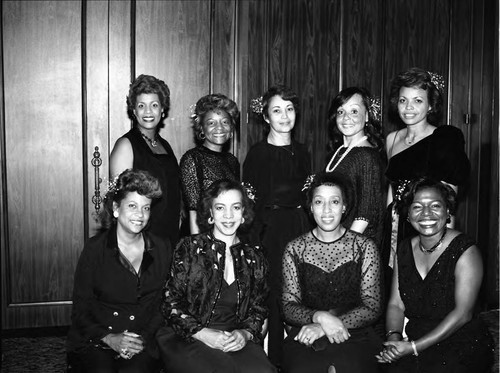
197,276
364,167
200,167
427,302
342,276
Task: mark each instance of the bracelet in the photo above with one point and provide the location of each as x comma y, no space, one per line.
391,332
414,346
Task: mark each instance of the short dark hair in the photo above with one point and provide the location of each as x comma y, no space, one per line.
285,93
214,103
419,78
130,180
373,128
213,192
446,192
333,178
147,84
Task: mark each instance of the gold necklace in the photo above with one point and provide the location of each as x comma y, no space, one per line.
153,142
433,248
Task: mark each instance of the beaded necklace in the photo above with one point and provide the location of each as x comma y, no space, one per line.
433,248
153,142
328,169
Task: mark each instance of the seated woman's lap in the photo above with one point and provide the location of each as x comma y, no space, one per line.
181,356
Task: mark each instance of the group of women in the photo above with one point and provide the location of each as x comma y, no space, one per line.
302,260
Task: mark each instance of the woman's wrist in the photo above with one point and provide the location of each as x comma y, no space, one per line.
394,335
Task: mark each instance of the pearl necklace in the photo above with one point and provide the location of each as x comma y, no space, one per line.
153,142
433,248
328,169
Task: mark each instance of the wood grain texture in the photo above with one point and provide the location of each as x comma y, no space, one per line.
173,44
43,135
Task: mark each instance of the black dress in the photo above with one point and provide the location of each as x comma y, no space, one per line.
441,156
164,221
278,174
343,277
427,302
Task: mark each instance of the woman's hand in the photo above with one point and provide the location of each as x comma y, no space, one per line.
332,326
127,344
309,333
213,338
393,351
238,339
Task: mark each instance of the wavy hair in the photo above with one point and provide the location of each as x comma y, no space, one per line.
147,84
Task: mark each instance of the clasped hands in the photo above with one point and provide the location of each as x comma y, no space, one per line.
327,325
223,340
127,344
393,351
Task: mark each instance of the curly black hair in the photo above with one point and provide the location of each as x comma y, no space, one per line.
213,192
147,84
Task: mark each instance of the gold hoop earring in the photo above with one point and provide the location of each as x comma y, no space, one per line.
211,220
201,136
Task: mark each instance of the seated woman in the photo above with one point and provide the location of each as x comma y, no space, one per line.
331,287
118,284
214,302
436,281
214,121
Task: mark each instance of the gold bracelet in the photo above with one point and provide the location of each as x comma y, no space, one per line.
414,347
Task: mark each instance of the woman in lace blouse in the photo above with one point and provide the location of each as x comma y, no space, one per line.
214,119
331,287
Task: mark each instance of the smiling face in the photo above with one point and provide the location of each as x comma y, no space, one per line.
327,207
413,105
280,115
351,117
132,213
148,111
218,129
227,212
428,212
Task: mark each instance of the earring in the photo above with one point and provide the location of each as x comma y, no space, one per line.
163,115
408,218
448,219
242,220
115,214
210,220
201,136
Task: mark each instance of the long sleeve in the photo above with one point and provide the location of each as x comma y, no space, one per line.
191,188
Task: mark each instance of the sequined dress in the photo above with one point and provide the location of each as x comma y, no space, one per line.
342,277
427,302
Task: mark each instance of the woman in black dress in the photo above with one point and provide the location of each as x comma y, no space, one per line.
436,283
277,167
215,298
143,148
215,119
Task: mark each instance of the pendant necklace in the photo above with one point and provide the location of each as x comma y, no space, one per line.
153,142
433,248
330,169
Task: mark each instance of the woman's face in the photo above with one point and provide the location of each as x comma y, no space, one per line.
148,110
413,105
132,213
218,129
352,116
227,212
327,207
280,115
428,212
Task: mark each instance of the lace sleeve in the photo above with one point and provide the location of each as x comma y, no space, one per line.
189,178
295,313
370,288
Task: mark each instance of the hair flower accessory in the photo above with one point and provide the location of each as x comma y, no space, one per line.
375,108
308,182
112,187
257,105
437,80
193,115
249,190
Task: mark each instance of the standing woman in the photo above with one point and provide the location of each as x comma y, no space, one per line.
354,121
143,148
214,121
421,148
118,284
277,168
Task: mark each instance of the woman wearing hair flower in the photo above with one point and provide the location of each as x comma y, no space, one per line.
436,283
354,123
421,147
215,300
143,148
277,168
118,284
331,287
214,121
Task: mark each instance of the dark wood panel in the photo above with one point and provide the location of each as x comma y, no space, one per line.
173,44
43,136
